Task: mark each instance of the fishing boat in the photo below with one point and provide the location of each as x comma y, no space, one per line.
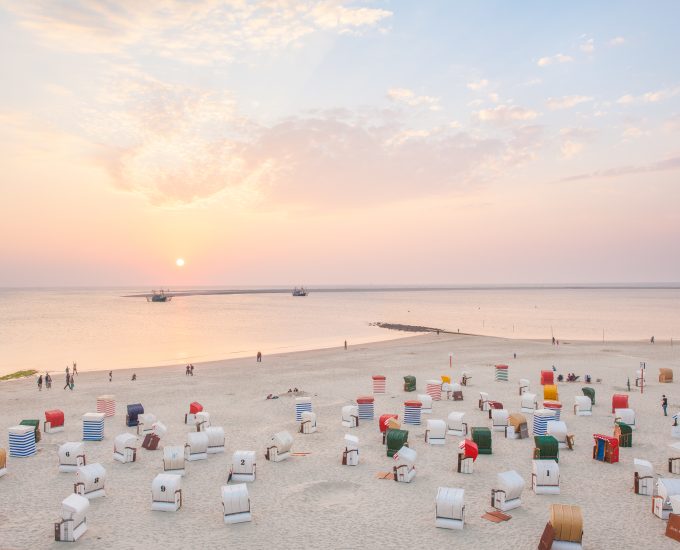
299,291
159,296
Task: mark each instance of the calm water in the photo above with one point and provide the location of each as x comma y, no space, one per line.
47,329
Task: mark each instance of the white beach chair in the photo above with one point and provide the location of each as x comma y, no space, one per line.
545,477
435,434
558,430
243,466
643,478
499,420
145,424
350,416
528,402
307,422
449,508
173,460
426,403
508,495
350,456
125,448
73,521
215,439
483,401
202,421
279,447
665,489
71,456
455,424
159,429
90,481
449,388
405,468
166,493
524,385
196,447
626,416
236,503
583,406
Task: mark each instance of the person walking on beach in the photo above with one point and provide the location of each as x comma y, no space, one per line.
652,339
40,383
134,377
71,383
664,404
68,380
345,344
259,357
67,370
191,369
110,375
48,381
75,369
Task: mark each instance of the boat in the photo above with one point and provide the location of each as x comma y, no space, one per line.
159,296
299,291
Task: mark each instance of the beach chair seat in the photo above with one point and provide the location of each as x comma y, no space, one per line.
73,523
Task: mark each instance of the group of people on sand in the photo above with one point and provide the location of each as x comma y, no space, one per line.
291,391
189,370
48,381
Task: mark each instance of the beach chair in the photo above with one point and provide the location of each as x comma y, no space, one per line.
517,427
509,492
395,440
619,401
190,417
106,404
366,406
125,448
196,447
550,393
499,420
145,423
73,523
279,447
467,454
546,448
449,508
482,436
483,401
133,412
236,503
435,434
90,481
308,423
3,461
665,375
547,377
350,416
455,424
665,489
409,383
93,426
624,433
405,465
583,406
153,439
202,421
166,493
545,477
21,441
350,456
54,421
524,385
215,439
605,449
590,393
643,477
465,378
173,460
565,528
674,459
71,456
433,388
243,466
449,389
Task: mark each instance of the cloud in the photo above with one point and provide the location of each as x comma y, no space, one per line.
669,164
566,102
625,99
573,140
494,97
617,41
672,124
409,97
588,46
632,132
650,97
504,114
478,85
557,58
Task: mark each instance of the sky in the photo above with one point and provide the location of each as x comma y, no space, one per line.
289,142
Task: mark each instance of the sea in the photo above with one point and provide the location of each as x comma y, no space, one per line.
102,329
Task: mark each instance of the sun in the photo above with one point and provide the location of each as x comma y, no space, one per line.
179,262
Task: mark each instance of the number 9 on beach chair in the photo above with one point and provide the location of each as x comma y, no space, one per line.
166,493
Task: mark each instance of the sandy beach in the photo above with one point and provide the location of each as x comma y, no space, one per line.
313,501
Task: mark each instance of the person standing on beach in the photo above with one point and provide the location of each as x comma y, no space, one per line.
68,379
664,404
110,375
75,369
652,339
191,369
40,383
345,344
72,383
48,381
259,357
67,370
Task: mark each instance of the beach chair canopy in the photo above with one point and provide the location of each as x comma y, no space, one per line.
124,440
425,401
409,383
283,442
468,449
510,482
482,436
349,411
164,487
198,442
215,436
567,521
665,375
382,422
550,392
159,429
547,447
667,487
69,451
547,377
74,507
516,420
528,401
173,457
643,467
351,441
547,472
583,403
455,420
396,439
626,415
436,427
450,503
195,407
619,401
55,417
90,473
499,417
524,383
235,498
243,462
558,430
406,456
589,392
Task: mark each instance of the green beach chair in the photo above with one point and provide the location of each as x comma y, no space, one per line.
409,383
589,392
36,426
546,447
482,436
624,433
395,440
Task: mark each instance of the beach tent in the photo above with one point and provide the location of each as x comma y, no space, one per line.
435,434
173,460
508,494
482,436
166,493
583,406
455,424
73,522
547,377
643,478
524,385
90,481
243,466
619,401
202,421
71,456
405,465
106,404
383,423
395,440
483,401
590,393
302,404
624,433
499,420
3,461
450,390
308,422
194,408
378,383
93,426
145,423
54,421
279,447
196,447
558,430
350,456
625,415
674,459
501,373
546,448
541,417
215,439
545,477
350,416
550,392
449,508
366,405
425,405
409,383
35,424
565,528
21,441
665,489
433,388
133,412
465,378
517,427
665,375
467,454
528,402
606,449
236,503
125,448
412,411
